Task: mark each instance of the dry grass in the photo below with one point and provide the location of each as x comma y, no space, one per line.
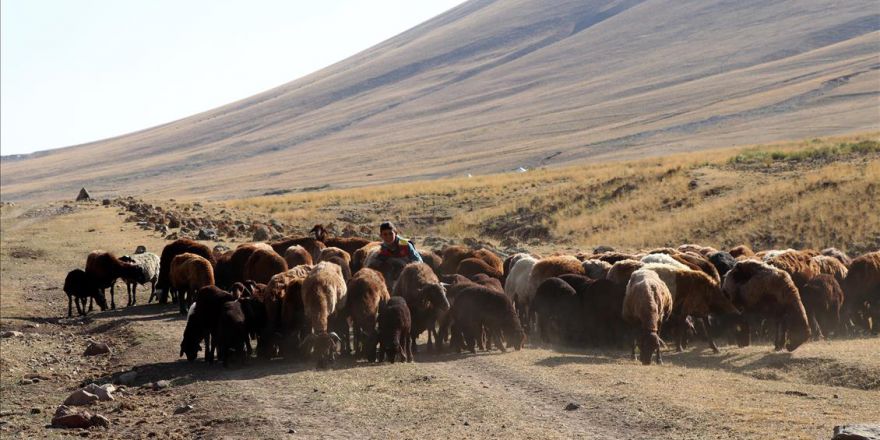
813,193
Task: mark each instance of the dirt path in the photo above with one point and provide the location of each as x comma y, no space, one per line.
739,393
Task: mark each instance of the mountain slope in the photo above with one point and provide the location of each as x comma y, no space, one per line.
491,86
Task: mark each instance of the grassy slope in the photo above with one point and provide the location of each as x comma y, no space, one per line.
814,193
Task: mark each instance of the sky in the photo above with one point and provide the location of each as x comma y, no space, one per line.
78,71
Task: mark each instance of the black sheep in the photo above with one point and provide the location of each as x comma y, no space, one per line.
232,332
202,322
477,307
79,287
394,330
557,307
722,261
601,303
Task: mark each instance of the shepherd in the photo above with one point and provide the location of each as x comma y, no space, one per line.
395,246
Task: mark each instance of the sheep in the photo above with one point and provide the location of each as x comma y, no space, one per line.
324,294
862,291
838,254
232,332
296,255
798,264
359,257
263,264
328,252
613,257
366,290
477,307
189,273
601,304
79,287
273,299
822,297
348,244
310,244
103,268
831,266
647,305
487,281
472,266
339,261
516,285
596,269
557,306
741,251
622,270
426,298
391,268
149,264
753,285
223,270
700,263
293,325
490,258
508,264
229,268
452,256
394,335
202,320
172,250
431,259
255,318
697,249
547,268
663,259
723,262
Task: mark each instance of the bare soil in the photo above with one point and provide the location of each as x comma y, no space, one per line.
739,393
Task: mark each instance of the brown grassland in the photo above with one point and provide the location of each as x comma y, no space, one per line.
812,193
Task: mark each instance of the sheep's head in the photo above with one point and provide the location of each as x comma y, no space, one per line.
797,327
742,333
516,338
324,347
436,296
101,300
648,344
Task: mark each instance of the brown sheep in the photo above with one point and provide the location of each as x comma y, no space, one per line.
477,308
831,266
490,258
862,290
359,257
272,296
366,290
487,281
103,269
823,298
697,249
741,251
231,271
838,254
756,286
263,264
452,256
293,326
324,294
596,269
431,259
189,273
348,244
310,244
798,264
647,305
346,269
297,255
622,270
425,296
329,252
613,257
172,250
700,263
472,266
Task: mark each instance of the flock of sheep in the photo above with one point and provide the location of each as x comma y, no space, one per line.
317,296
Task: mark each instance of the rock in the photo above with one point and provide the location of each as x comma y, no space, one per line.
32,325
25,382
162,229
105,202
83,195
99,420
160,385
127,378
572,406
96,348
601,249
183,409
261,233
857,432
36,410
207,234
104,392
66,417
80,398
11,334
173,222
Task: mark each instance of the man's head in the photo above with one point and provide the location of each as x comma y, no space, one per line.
386,231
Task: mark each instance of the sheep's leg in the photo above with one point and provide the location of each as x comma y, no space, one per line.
705,327
70,306
209,349
152,291
92,300
134,288
659,357
408,344
497,335
816,328
779,339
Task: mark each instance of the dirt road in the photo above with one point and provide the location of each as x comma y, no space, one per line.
739,393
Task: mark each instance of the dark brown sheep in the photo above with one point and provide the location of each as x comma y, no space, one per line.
601,304
425,296
79,288
646,306
614,257
862,290
431,259
173,249
348,244
232,332
394,335
700,263
452,256
297,255
487,281
472,266
755,286
189,273
798,264
823,298
742,251
103,268
274,298
366,290
477,308
557,309
231,270
203,318
310,244
263,264
223,271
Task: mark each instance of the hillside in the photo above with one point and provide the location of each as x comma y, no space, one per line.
491,86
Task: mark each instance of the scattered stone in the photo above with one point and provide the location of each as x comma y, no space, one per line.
291,431
857,432
207,234
96,348
140,249
81,398
183,409
161,385
572,406
104,392
66,417
32,325
25,382
105,202
127,378
83,195
261,233
36,410
11,334
466,423
797,393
